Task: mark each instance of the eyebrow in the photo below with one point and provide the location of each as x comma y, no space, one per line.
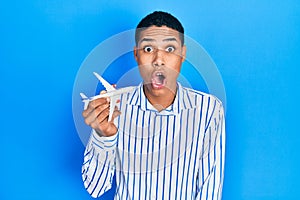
164,40
146,40
170,39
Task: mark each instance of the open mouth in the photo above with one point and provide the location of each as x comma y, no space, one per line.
158,80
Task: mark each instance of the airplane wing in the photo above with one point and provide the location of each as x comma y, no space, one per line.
112,93
113,99
107,86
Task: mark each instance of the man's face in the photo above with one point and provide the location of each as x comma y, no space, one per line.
159,54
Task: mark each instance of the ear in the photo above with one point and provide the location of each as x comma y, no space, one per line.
135,52
183,53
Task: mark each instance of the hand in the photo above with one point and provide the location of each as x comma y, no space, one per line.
96,116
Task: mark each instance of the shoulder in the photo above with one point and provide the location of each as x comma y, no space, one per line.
199,98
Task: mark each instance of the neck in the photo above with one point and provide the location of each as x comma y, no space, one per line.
161,101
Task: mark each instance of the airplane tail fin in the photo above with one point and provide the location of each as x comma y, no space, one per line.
85,100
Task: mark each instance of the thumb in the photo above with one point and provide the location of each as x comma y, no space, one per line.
102,92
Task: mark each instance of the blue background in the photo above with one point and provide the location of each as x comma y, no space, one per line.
255,45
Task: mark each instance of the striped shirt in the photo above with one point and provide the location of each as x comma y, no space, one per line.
177,153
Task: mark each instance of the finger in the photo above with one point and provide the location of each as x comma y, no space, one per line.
88,109
103,116
93,105
85,113
95,125
97,102
105,127
103,92
101,109
95,113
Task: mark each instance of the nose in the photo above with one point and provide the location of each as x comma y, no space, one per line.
158,58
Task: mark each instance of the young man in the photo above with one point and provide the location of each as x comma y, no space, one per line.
165,141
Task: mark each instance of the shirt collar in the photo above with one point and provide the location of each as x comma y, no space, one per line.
138,98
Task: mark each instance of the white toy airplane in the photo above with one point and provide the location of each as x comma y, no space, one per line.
111,92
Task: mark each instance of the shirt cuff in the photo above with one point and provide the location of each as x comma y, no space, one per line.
103,142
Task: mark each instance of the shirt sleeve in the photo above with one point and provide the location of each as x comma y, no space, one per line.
211,167
99,164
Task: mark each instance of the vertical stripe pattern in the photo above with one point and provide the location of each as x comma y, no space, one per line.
177,153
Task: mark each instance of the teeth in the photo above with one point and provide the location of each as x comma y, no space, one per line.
159,74
158,79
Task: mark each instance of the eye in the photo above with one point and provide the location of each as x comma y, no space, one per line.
170,49
148,49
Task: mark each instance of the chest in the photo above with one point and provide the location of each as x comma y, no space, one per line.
151,141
